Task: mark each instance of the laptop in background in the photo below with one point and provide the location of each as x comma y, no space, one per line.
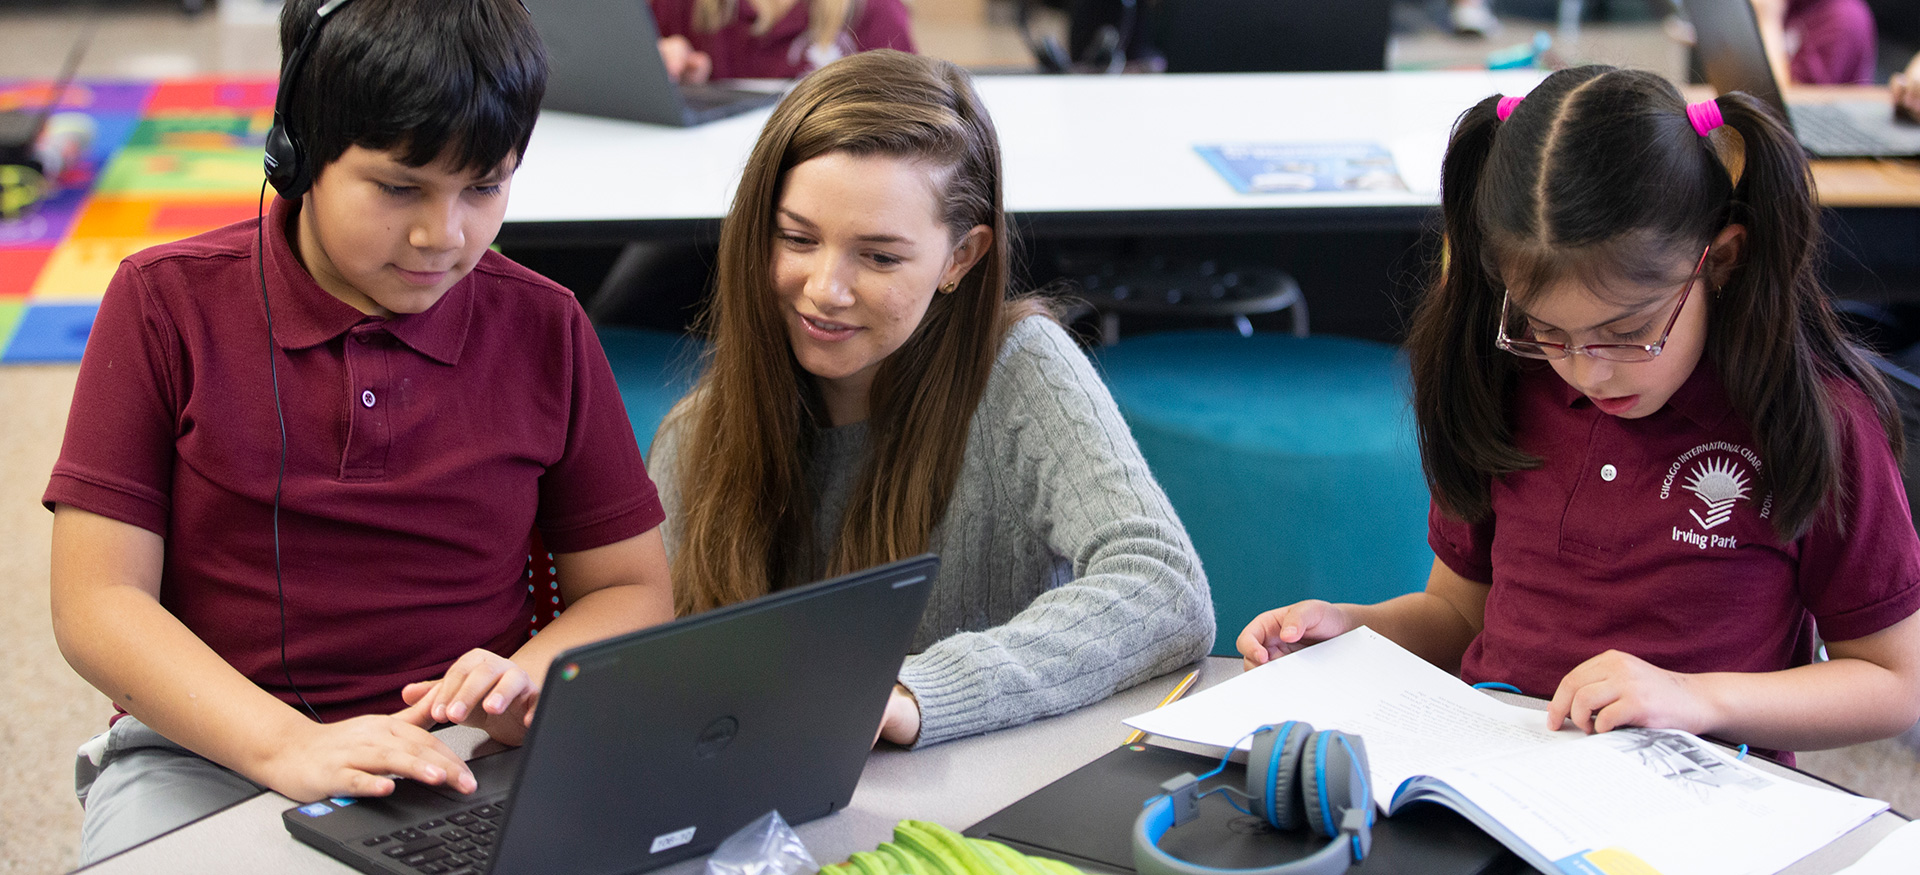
603,59
1734,59
654,746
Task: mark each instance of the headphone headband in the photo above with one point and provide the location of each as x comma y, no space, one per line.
286,156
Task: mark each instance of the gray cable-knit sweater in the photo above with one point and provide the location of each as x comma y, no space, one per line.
1065,576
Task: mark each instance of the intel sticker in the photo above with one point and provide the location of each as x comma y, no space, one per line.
316,809
672,840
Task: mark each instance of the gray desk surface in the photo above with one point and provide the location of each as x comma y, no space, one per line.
954,784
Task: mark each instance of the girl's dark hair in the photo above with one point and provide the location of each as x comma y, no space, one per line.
1598,176
455,78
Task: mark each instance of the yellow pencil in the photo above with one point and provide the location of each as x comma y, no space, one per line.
1179,690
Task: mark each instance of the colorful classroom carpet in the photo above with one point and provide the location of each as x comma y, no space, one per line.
168,160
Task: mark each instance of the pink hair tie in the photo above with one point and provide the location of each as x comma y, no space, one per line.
1705,116
1505,107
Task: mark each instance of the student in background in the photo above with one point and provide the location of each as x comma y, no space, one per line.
773,39
870,393
292,510
1819,42
1658,465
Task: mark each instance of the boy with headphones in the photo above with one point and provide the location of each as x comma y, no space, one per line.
305,453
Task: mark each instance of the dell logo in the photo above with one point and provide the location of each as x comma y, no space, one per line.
715,737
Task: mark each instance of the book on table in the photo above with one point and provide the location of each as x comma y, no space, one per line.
1628,801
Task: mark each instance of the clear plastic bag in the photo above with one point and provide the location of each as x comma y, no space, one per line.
767,846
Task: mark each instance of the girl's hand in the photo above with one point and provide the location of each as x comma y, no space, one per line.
355,757
1282,631
685,64
481,689
1906,91
1618,689
901,722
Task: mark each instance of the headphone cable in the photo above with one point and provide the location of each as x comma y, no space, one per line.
280,479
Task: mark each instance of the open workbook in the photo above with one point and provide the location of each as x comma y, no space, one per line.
1626,802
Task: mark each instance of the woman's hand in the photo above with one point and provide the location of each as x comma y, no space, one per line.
1618,689
356,757
901,722
481,689
1281,631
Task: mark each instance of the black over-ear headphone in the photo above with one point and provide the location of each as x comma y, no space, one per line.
286,159
1295,777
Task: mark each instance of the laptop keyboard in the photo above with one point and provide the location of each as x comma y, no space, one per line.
459,844
1827,130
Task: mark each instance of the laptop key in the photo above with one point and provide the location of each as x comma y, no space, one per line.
414,847
432,868
487,811
424,857
433,824
484,841
459,847
377,840
462,819
455,834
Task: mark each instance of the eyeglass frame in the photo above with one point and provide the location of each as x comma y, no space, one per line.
1652,350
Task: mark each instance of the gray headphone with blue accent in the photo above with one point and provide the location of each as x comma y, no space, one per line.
1295,777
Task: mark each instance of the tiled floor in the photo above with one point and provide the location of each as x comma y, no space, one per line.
45,709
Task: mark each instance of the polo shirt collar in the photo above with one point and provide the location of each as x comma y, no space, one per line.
1702,399
305,315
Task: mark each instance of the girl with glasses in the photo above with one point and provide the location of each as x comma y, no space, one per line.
1659,467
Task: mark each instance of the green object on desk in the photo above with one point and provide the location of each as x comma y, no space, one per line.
1291,461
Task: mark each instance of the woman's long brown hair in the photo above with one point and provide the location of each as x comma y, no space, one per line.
749,426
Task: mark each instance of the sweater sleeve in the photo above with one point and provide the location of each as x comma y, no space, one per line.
661,465
1067,467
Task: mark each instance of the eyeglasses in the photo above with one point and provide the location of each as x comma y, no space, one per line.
1613,352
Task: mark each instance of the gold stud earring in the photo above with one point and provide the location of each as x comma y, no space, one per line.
949,287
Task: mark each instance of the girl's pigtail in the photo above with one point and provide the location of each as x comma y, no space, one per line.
1461,382
1776,293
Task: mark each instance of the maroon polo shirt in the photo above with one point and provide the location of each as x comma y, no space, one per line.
421,452
781,52
1654,536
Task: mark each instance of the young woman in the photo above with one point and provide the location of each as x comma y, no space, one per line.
1658,465
870,393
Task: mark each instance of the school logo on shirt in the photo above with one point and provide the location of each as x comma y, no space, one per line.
1718,484
1720,476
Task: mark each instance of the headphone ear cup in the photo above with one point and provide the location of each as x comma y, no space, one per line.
284,163
1273,780
1333,780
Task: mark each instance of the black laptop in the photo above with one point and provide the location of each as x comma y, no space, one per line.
654,746
603,59
1734,59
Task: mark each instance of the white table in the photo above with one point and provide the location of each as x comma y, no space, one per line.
1083,155
956,784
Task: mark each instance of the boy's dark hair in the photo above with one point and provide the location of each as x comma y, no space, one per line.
461,79
1598,176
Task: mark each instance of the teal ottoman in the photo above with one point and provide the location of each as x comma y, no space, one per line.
1292,462
654,370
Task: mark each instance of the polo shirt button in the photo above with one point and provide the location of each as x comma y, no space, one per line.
366,398
1607,472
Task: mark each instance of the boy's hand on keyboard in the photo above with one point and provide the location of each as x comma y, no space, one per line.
1281,631
481,689
358,757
